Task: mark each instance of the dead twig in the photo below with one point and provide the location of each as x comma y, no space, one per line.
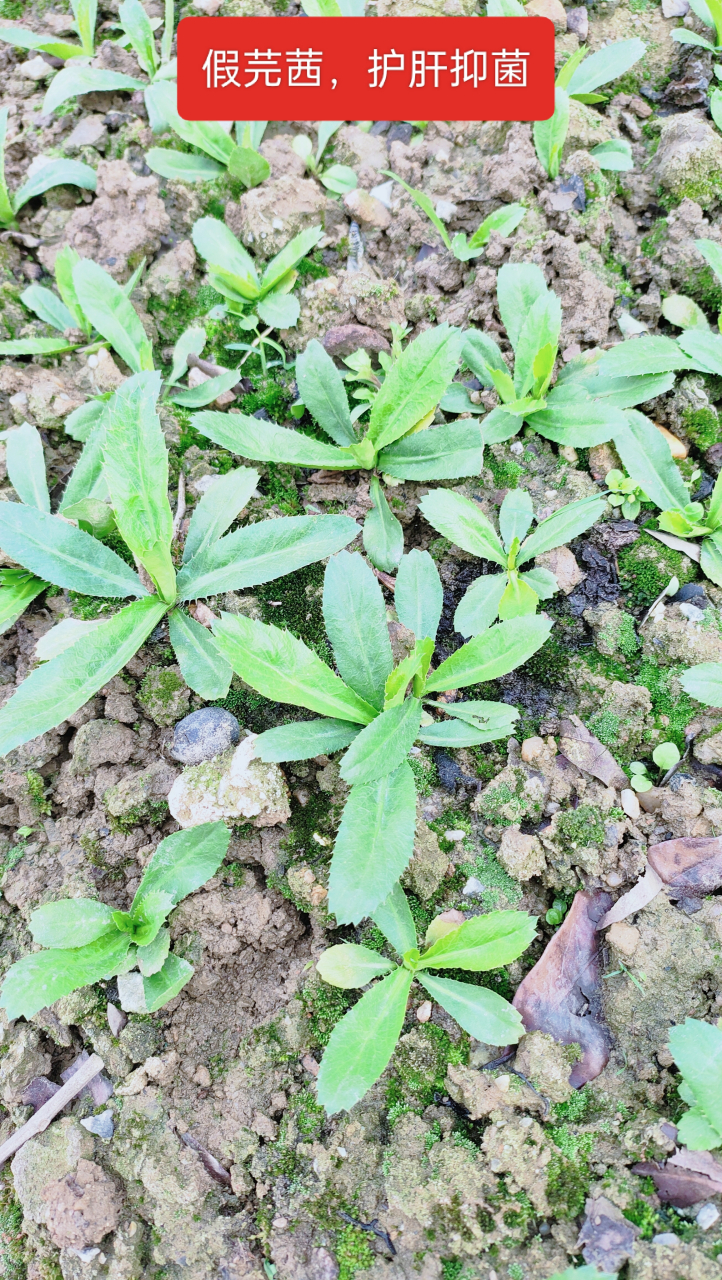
181,505
372,1226
40,1121
386,579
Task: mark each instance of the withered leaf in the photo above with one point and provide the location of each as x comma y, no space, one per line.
561,994
642,893
680,1187
606,1237
691,865
587,753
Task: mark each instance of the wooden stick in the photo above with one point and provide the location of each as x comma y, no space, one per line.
40,1121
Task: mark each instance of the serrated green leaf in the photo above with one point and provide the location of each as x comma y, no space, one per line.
540,329
113,315
439,453
289,255
165,985
484,942
374,845
362,1042
616,155
152,956
62,636
415,384
381,747
207,135
481,1012
48,306
519,599
493,653
463,522
561,527
697,1050
88,479
355,618
284,669
642,356
705,349
248,166
218,508
60,553
135,24
266,442
17,589
349,965
41,978
647,457
419,595
73,81
710,558
26,466
202,665
72,922
304,740
183,862
383,536
321,388
479,606
572,417
482,355
393,917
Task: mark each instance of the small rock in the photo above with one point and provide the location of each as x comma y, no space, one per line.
553,9
164,695
204,734
34,69
131,992
101,742
665,1237
624,937
521,855
562,564
455,837
383,192
91,131
707,1216
344,339
131,797
630,804
446,210
691,612
116,1019
531,748
139,1039
366,209
423,1013
82,1207
578,20
102,1126
232,785
202,1077
134,1083
675,8
472,887
162,1070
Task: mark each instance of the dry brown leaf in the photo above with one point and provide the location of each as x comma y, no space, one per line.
587,753
639,896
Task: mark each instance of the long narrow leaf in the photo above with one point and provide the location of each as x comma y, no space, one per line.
73,81
374,845
17,589
562,526
218,508
481,1012
362,1043
394,919
113,315
57,551
265,442
322,390
415,384
202,665
419,595
48,306
647,457
26,466
441,453
492,654
304,740
56,173
355,618
464,523
381,747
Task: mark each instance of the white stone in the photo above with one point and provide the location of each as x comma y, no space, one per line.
516,447
472,887
446,210
34,69
383,193
707,1216
630,804
454,837
232,785
665,1237
691,612
675,8
131,992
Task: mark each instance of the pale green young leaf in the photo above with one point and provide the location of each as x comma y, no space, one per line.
616,154
381,747
684,312
48,306
394,919
26,466
515,516
65,263
61,637
266,442
23,39
374,845
113,315
85,13
87,480
425,204
355,616
59,688
482,355
206,392
73,81
326,130
232,286
248,166
492,654
518,600
696,1047
419,595
217,244
712,253
289,255
646,456
454,734
182,166
152,956
541,581
218,508
383,536
683,36
362,1042
480,713
710,558
518,286
339,179
479,605
192,340
561,527
415,384
280,310
55,173
704,11
704,348
540,329
415,664
36,347
484,1014
135,24
183,862
643,356
504,220
17,589
440,453
505,9
321,388
60,553
484,942
695,1131
55,690
72,922
165,985
207,135
704,682
284,669
349,965
463,522
550,135
263,551
42,977
605,65
203,667
304,740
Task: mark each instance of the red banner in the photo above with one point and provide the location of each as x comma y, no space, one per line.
365,68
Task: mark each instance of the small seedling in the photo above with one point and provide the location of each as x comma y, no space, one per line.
374,707
624,971
54,173
362,1043
556,912
665,756
511,593
697,1049
710,13
338,178
504,220
120,484
89,941
625,493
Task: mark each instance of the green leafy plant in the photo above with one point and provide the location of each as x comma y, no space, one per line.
394,442
625,493
120,484
697,1049
232,272
710,13
53,173
704,682
665,756
504,220
338,178
85,14
511,593
556,912
579,79
375,708
138,31
362,1042
215,151
588,1272
87,940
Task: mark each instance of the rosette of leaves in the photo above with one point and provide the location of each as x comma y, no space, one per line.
138,31
696,1047
120,485
85,13
374,707
215,151
232,272
338,178
54,173
397,440
579,79
362,1043
513,592
666,756
710,13
87,940
625,493
504,220
585,407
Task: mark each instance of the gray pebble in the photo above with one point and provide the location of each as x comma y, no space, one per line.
204,734
101,1125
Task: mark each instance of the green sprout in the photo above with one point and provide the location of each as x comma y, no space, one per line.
624,493
338,178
